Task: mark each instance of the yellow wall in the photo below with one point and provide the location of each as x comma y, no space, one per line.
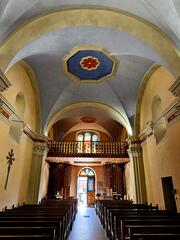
162,159
158,84
17,187
21,83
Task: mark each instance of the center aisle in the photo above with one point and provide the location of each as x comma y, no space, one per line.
87,226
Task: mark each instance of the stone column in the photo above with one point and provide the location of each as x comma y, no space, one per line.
136,161
38,159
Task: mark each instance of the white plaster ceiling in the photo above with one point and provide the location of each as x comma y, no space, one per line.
163,13
44,54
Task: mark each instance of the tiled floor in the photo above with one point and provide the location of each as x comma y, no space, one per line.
87,226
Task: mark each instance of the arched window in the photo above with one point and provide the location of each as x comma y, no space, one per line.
87,141
86,172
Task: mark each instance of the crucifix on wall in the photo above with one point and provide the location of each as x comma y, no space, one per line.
10,159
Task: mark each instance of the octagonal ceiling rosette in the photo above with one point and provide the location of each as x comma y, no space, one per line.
90,64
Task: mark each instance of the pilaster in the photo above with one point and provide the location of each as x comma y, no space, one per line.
136,159
36,177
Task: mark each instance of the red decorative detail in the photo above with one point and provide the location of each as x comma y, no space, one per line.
89,63
170,118
88,119
146,137
4,113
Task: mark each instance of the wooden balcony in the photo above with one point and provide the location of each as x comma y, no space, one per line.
87,149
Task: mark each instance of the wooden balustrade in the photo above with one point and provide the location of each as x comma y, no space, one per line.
87,149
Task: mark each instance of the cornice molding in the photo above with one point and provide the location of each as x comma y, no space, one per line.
146,133
33,136
4,82
133,140
175,88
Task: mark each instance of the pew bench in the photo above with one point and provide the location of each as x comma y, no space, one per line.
29,237
152,231
122,231
48,232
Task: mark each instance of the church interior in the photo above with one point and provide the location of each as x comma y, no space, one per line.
90,106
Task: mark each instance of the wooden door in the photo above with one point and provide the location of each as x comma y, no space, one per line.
90,191
169,194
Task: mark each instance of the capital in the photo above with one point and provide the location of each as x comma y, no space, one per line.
134,145
40,149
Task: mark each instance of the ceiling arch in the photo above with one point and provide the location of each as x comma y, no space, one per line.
85,16
43,40
94,106
86,126
45,53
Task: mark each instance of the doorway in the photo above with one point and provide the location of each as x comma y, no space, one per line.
169,194
82,191
86,187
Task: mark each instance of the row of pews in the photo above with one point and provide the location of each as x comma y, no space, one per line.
49,220
124,220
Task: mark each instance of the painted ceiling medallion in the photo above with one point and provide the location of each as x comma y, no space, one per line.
90,64
88,119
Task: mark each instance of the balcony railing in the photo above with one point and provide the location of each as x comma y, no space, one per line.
87,149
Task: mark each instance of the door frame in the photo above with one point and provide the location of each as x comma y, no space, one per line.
95,176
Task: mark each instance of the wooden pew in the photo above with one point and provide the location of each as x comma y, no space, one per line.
114,218
122,232
29,237
153,232
55,215
118,227
28,221
13,232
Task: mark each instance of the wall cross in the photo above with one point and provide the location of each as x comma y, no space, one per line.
10,159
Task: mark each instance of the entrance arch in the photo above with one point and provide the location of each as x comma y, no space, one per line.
86,186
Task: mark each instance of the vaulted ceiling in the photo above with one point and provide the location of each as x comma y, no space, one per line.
137,32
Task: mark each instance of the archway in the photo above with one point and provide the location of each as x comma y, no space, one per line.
86,186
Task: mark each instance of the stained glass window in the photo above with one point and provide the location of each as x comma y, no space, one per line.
87,142
90,184
94,137
80,138
87,136
95,142
86,172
